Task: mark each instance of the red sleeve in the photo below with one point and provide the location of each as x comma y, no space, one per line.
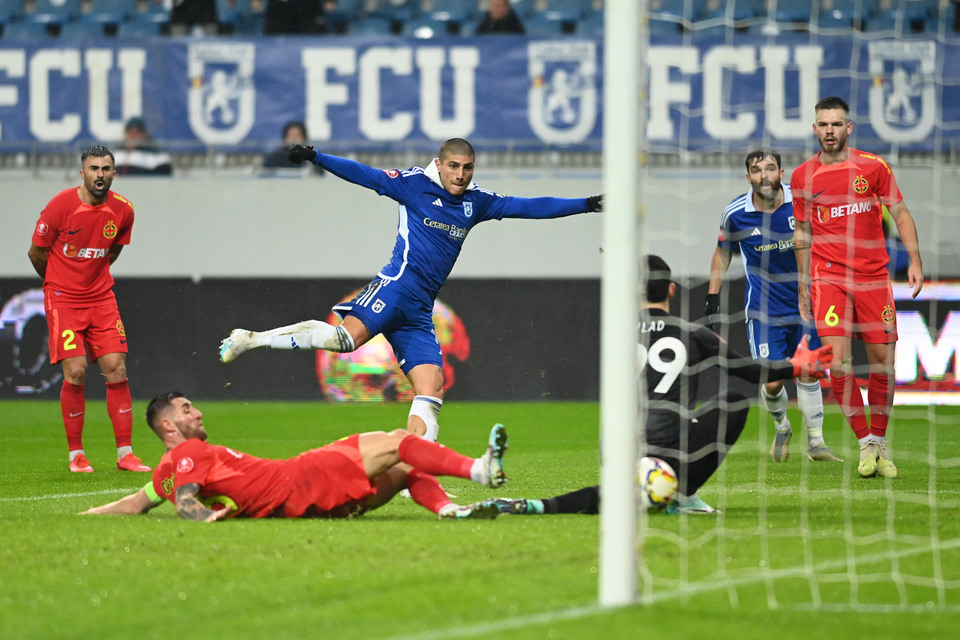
887,188
191,461
799,203
125,209
48,225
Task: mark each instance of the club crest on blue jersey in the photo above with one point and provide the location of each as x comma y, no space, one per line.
222,97
562,100
468,209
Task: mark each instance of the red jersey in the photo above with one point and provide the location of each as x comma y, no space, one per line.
328,481
79,237
843,202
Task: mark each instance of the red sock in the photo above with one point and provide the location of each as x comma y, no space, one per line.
72,406
880,398
426,490
851,403
434,458
120,410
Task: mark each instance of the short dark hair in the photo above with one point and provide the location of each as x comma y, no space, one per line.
759,154
658,279
457,146
158,405
97,151
833,102
298,124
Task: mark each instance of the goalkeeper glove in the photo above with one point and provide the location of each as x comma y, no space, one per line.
595,203
811,363
712,309
298,153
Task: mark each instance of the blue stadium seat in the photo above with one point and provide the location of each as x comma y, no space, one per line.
10,10
576,8
592,25
81,30
25,30
53,11
793,11
107,11
426,28
835,19
153,12
674,8
140,29
523,8
400,10
539,26
370,26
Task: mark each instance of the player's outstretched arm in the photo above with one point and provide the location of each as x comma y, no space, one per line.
811,363
718,268
298,154
132,504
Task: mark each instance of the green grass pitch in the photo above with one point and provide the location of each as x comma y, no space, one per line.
801,550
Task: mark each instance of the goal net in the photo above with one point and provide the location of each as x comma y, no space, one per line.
726,77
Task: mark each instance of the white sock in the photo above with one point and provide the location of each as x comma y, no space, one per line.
777,407
123,451
427,408
74,454
477,471
310,334
872,438
810,400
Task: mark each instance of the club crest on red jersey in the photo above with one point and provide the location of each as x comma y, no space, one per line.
860,185
110,230
42,228
120,328
185,465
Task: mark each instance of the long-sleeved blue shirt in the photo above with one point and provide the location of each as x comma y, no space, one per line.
433,223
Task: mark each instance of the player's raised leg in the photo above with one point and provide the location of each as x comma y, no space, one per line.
309,334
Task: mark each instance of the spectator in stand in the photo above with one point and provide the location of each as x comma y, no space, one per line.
294,133
294,17
500,18
139,155
194,17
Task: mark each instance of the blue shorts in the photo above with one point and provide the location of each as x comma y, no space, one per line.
404,318
778,342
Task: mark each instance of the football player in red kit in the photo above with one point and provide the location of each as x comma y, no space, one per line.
838,199
80,233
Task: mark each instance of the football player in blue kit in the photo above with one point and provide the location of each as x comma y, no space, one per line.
439,205
759,226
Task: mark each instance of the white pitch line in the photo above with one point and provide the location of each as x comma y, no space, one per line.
548,617
60,496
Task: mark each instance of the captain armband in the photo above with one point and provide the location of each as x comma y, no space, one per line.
152,494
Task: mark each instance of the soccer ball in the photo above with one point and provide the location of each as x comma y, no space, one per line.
656,483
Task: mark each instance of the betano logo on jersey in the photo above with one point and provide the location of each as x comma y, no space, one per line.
110,230
83,252
825,214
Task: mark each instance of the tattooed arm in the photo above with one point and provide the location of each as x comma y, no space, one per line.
189,506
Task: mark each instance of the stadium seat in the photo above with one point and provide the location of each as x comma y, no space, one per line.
107,11
660,27
53,11
370,26
523,8
573,8
398,10
425,28
539,26
10,10
153,11
139,29
835,19
673,8
25,30
793,11
592,25
81,30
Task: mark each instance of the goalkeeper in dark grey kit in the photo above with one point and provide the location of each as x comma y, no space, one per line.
673,355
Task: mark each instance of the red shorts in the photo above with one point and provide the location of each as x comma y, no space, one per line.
72,331
329,482
863,310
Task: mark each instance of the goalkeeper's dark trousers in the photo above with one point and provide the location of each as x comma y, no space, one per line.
704,441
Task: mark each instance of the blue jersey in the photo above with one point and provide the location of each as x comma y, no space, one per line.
765,242
433,223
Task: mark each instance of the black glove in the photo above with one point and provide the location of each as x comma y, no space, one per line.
298,153
711,311
595,203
